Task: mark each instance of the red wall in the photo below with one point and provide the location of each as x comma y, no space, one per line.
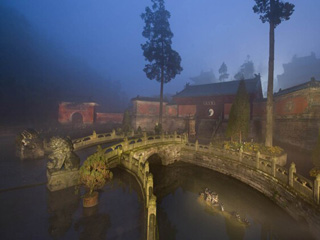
148,108
171,110
203,104
109,118
289,106
186,110
66,110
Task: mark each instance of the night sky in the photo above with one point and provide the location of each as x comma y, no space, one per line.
106,34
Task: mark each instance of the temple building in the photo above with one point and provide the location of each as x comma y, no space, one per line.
213,101
204,110
206,104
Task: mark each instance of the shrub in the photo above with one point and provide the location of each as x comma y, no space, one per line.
253,148
94,172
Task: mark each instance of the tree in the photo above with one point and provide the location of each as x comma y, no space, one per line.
164,62
238,123
246,70
223,71
273,12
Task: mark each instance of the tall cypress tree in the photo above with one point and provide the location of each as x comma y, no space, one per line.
223,71
273,12
164,62
238,123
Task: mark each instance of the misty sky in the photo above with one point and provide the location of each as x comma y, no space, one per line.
106,34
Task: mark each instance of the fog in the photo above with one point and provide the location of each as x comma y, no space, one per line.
91,50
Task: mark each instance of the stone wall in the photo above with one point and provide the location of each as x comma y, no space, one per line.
109,118
147,123
297,118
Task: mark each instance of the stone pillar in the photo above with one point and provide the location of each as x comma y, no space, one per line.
125,144
113,134
94,135
146,166
152,210
162,136
130,160
316,191
240,153
185,138
175,135
132,133
119,153
145,174
273,166
140,167
292,170
196,145
145,138
149,184
258,160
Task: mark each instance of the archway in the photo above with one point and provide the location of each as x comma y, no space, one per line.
155,159
77,118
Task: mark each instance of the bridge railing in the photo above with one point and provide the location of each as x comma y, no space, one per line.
95,139
100,138
121,154
305,187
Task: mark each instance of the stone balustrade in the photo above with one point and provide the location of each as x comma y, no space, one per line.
96,139
267,165
290,190
296,194
121,154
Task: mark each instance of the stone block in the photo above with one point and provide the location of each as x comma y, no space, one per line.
62,179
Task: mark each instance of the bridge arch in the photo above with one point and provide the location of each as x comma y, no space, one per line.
155,159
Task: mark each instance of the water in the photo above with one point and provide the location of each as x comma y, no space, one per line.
29,211
181,215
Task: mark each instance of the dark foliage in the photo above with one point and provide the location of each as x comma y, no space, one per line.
164,62
246,70
238,124
157,49
273,12
281,11
223,71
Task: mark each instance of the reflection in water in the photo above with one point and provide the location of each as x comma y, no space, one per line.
61,207
93,225
181,216
165,225
119,214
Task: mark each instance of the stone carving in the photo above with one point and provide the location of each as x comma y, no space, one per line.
29,144
62,156
63,167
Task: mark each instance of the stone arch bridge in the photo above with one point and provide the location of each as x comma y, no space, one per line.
297,195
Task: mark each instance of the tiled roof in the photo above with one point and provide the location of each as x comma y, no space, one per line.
311,83
221,88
